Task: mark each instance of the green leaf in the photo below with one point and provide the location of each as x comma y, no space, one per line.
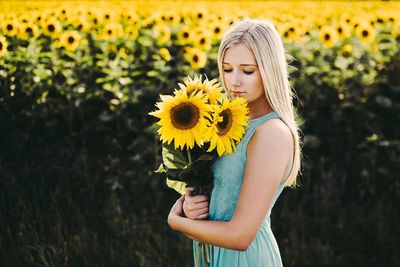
178,186
173,159
160,169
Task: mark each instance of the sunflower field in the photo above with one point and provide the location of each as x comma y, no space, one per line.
78,149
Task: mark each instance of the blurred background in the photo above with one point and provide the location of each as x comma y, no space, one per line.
78,151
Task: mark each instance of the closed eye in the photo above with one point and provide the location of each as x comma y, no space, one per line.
227,70
249,72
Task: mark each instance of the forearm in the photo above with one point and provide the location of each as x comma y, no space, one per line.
217,233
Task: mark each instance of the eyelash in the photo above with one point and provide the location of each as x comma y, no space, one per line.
246,72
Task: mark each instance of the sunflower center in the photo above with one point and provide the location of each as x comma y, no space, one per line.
71,40
340,30
185,116
51,28
29,30
185,35
365,33
1,46
9,27
195,58
202,41
327,37
217,30
226,124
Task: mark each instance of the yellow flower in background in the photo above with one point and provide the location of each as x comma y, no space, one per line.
196,58
169,18
328,36
131,32
51,27
69,40
162,33
395,30
3,46
111,30
28,30
202,41
164,53
342,29
63,13
216,31
185,36
10,27
211,88
290,33
129,17
183,118
346,50
228,126
365,33
81,23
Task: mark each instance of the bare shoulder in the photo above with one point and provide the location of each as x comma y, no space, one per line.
273,132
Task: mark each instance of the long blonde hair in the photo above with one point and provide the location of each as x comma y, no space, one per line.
264,41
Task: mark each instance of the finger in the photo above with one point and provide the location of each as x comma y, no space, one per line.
199,212
188,190
196,199
194,207
200,198
200,205
202,216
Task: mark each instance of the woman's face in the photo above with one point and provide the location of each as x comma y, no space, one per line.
241,74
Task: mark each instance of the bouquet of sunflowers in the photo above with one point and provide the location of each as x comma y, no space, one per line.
197,124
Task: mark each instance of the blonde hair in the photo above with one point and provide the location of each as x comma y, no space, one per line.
264,41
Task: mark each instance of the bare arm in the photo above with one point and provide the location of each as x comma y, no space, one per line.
268,153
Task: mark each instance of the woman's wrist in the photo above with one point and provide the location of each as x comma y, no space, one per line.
172,221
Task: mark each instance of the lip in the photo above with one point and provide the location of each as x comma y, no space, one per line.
237,92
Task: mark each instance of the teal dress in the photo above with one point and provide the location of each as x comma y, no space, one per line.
228,175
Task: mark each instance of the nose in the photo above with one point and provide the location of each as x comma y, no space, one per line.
235,82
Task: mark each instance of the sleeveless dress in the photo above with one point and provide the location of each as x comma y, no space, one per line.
228,173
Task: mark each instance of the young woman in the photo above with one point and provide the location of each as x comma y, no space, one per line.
252,64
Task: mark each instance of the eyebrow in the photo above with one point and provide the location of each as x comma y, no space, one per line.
241,64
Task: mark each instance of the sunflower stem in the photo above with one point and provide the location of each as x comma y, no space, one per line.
189,156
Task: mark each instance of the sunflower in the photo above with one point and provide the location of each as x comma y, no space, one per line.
328,36
185,36
365,33
3,45
343,30
196,58
10,27
290,33
395,30
28,30
162,33
228,125
211,88
183,118
51,27
81,23
131,32
346,50
70,40
111,31
202,41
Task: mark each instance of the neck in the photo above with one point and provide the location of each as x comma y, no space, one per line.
257,110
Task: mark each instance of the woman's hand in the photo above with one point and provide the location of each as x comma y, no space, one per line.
195,207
